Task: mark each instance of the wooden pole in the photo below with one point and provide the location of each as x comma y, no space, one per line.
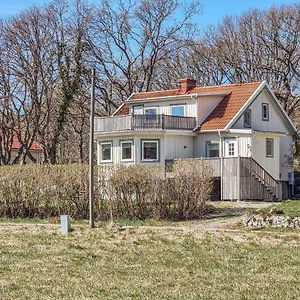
91,153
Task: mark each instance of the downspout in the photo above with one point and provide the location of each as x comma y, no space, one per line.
195,98
221,163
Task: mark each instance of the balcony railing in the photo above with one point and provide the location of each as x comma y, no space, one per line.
140,122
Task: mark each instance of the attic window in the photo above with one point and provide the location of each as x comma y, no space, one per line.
247,118
265,112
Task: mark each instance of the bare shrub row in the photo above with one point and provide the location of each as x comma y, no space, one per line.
128,192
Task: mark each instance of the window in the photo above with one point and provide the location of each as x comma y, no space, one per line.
265,112
212,149
138,109
151,111
269,147
126,149
247,118
231,148
150,150
106,151
177,110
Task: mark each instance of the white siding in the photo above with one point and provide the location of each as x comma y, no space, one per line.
275,122
270,164
164,107
176,147
199,108
244,143
286,143
200,143
116,148
170,146
206,105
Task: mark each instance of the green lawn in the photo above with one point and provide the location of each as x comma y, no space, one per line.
36,262
289,208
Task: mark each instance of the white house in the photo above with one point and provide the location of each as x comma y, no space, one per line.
240,129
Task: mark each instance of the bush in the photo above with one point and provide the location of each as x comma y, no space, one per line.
276,211
131,192
191,188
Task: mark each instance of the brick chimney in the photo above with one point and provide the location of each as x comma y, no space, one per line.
186,85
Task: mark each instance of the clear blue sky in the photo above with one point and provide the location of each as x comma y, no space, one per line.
213,10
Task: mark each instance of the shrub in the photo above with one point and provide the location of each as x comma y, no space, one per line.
276,211
191,187
131,192
136,191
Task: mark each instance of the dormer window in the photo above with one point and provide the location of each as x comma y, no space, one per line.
265,112
247,118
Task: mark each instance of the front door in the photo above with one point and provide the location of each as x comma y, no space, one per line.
230,147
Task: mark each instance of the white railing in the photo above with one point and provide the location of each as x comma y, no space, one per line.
115,123
140,122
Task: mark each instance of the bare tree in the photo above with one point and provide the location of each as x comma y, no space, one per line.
128,41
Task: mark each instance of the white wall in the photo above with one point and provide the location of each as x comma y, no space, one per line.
164,106
206,105
243,143
199,108
270,164
116,149
286,144
178,146
275,122
171,146
200,142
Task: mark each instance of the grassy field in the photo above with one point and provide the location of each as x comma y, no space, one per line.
166,262
289,208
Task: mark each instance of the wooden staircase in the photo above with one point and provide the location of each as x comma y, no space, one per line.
267,186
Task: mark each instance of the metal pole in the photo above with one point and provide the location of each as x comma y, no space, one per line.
91,153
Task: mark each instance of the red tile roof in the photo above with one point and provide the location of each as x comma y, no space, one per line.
16,144
229,105
123,110
237,95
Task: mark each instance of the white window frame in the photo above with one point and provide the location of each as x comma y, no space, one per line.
111,152
231,152
272,147
121,146
267,111
138,107
157,153
227,142
174,105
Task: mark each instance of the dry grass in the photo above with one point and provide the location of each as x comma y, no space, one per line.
36,262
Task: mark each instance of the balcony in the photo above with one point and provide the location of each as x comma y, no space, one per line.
144,122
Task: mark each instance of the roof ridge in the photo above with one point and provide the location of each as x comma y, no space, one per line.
200,87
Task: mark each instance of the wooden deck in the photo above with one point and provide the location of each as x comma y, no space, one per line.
242,178
142,122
